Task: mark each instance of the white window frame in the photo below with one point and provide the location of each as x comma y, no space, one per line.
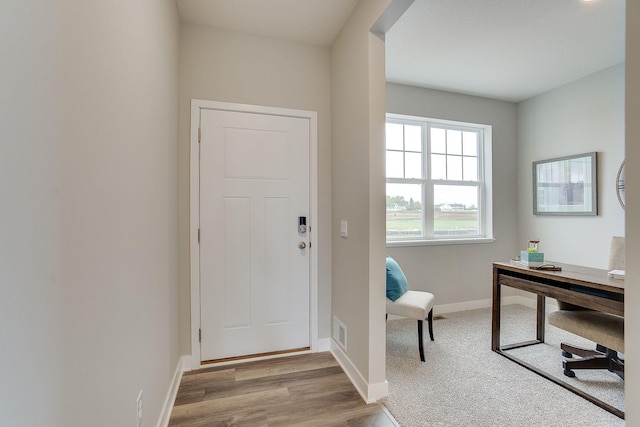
485,198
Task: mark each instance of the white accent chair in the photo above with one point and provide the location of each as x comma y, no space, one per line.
414,305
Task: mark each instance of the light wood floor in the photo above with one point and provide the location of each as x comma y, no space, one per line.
309,389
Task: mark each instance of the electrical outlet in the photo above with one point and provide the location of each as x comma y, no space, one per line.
139,410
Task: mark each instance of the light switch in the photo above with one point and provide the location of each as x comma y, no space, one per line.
343,228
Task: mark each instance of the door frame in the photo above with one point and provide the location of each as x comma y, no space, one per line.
194,212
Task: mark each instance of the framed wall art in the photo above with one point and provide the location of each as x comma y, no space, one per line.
566,185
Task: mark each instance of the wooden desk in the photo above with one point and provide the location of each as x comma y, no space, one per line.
583,286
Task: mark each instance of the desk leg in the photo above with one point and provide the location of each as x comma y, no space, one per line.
495,315
541,321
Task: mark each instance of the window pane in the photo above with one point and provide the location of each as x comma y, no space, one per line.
455,210
470,143
413,138
438,166
413,163
404,210
445,162
438,141
454,142
394,136
395,167
454,168
470,165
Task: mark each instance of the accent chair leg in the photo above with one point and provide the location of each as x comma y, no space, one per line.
430,319
420,346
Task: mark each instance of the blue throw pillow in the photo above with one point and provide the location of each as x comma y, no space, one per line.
396,280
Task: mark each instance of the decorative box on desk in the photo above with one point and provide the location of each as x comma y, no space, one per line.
532,259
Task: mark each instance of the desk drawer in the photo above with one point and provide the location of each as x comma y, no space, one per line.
595,299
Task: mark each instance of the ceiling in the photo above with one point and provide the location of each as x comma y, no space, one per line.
503,49
315,22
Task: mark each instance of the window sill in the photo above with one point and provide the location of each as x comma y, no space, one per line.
438,242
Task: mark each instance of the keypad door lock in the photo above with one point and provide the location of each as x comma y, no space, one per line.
302,224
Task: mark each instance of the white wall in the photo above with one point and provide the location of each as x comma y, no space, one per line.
31,327
228,66
632,173
357,167
583,116
462,273
88,270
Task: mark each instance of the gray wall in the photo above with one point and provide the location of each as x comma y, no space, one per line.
220,65
88,248
632,233
357,168
583,116
462,273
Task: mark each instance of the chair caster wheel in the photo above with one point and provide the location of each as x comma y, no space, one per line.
567,354
569,373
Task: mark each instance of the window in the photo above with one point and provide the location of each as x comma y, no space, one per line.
438,180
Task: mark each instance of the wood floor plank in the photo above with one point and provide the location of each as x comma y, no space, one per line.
309,390
193,385
325,387
186,395
229,410
338,414
281,366
196,377
214,391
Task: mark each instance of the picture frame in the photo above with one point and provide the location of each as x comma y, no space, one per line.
566,185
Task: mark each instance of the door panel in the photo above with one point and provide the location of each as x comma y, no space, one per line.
254,280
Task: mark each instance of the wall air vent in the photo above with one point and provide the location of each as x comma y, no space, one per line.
340,333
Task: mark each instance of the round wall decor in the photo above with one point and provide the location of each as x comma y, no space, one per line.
620,185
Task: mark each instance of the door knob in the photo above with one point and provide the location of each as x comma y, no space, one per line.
302,245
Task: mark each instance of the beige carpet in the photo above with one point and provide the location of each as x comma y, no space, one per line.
464,383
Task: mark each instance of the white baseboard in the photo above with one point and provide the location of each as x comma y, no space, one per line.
461,306
550,303
165,414
322,344
378,391
370,392
186,363
484,303
487,303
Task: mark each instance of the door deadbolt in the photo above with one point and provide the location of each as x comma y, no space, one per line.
302,224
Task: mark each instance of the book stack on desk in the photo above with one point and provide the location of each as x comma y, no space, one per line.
531,259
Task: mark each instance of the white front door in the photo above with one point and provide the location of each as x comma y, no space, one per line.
254,273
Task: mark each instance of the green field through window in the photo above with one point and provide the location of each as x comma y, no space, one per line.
409,224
